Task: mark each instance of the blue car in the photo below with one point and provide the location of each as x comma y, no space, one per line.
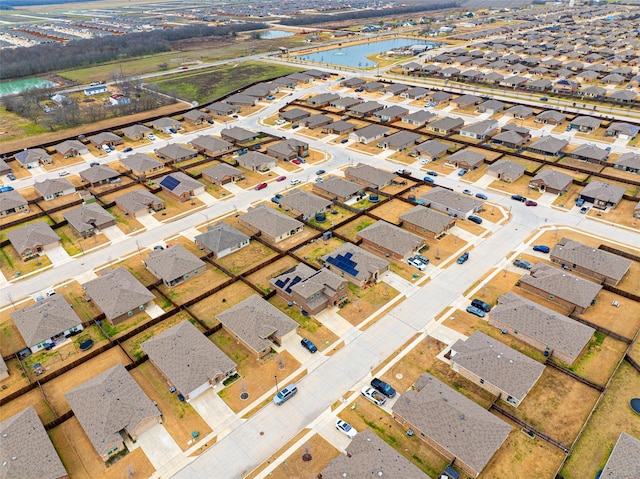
475,311
463,258
4,189
308,345
432,173
541,248
482,196
475,219
429,180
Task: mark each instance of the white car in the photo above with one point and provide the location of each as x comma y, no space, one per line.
424,162
50,293
151,136
346,428
280,121
416,263
63,173
295,181
374,396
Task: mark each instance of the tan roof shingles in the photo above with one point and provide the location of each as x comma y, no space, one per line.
88,216
426,218
624,461
608,264
369,174
52,186
172,263
221,237
31,236
270,221
305,202
365,263
392,238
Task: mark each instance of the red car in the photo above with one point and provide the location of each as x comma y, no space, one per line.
281,178
296,161
261,186
530,203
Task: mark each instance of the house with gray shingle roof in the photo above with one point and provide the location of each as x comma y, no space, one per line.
339,127
237,135
4,168
272,225
221,108
118,294
622,130
142,165
431,150
222,239
338,189
188,359
480,130
369,133
88,219
33,157
560,287
551,181
550,117
165,124
454,425
590,153
344,103
602,194
367,455
507,171
26,442
399,141
323,99
427,222
365,109
446,125
105,138
368,176
136,132
210,145
520,112
70,148
415,93
258,324
496,367
301,202
624,461
196,117
109,406
541,327
139,202
466,159
221,174
180,186
175,152
510,139
52,188
294,115
391,113
256,161
585,124
629,161
288,149
47,323
317,121
355,264
451,203
32,239
99,174
240,99
391,240
547,146
174,265
491,106
419,118
623,96
604,267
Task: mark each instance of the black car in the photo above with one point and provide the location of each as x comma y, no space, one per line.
478,303
308,345
383,387
424,259
475,219
518,198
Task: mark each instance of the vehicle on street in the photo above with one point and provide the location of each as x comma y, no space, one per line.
157,247
530,203
520,263
63,173
475,311
344,140
346,428
467,192
183,67
308,345
401,171
383,387
11,176
4,189
320,172
429,180
432,173
127,150
50,293
301,160
424,259
544,98
478,303
281,178
475,219
416,263
584,209
94,163
482,196
518,198
319,179
285,394
294,181
261,186
374,396
462,259
541,248
151,136
462,172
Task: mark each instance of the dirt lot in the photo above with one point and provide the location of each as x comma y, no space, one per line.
624,320
207,309
261,278
600,359
195,285
322,452
351,229
391,211
364,302
612,416
246,257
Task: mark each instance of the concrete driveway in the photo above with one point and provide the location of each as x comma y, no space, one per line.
332,320
158,445
114,233
148,221
328,431
58,255
215,412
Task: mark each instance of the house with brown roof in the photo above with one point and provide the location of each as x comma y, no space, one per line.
309,290
430,150
99,175
270,223
427,222
369,176
222,239
105,138
88,219
495,367
256,161
451,203
47,323
165,124
548,146
560,287
446,125
624,461
400,140
629,161
52,188
237,135
139,202
136,132
111,406
118,294
602,266
258,325
288,149
71,148
188,360
507,171
211,146
545,329
27,450
33,239
142,165
466,159
369,133
454,425
306,204
390,240
196,117
294,115
175,152
337,189
33,157
174,265
221,108
551,181
221,174
366,456
602,194
180,186
356,264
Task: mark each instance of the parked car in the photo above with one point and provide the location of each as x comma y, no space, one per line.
429,180
94,163
541,248
584,209
401,171
383,387
482,196
296,161
276,199
319,179
344,140
544,98
173,131
416,263
579,202
151,136
432,173
475,311
50,293
11,176
462,172
424,259
308,345
520,263
478,303
293,127
281,178
467,192
257,147
320,172
374,396
285,394
280,121
462,259
127,149
530,203
261,186
4,189
475,219
518,198
158,247
63,173
346,428
294,181
301,160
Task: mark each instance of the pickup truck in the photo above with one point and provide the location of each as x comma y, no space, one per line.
374,396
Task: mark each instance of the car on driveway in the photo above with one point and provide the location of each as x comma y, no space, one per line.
463,258
482,196
383,387
520,263
467,192
296,161
518,198
530,203
63,173
475,219
432,173
11,176
475,311
151,136
4,189
462,172
374,396
478,303
294,181
276,199
424,259
346,428
261,186
344,140
281,178
319,179
308,345
541,248
584,209
320,172
416,263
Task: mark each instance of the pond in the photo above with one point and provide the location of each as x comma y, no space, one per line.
17,86
356,56
269,34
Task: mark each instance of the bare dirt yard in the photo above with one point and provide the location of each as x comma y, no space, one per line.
195,285
261,278
392,210
624,320
32,398
322,453
207,309
246,258
363,302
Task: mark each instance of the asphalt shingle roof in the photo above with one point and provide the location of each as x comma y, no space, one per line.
392,238
270,221
31,236
88,216
172,263
221,236
362,265
426,218
602,262
52,186
624,461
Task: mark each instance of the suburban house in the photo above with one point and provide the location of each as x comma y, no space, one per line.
520,112
560,287
451,423
344,103
70,148
466,101
391,240
222,239
495,367
237,135
111,406
118,294
466,159
220,108
545,329
355,264
491,106
175,152
419,118
262,90
366,456
585,124
369,133
602,194
33,239
33,157
446,125
88,219
415,93
256,161
270,223
353,82
365,109
196,117
624,131
166,124
309,290
623,461
399,141
53,188
590,153
338,189
4,168
390,114
368,176
306,204
480,130
136,132
323,99
106,138
174,265
317,121
294,115
188,360
257,324
427,222
507,171
548,146
99,175
142,165
395,88
26,442
551,181
139,202
629,161
221,174
240,99
510,139
550,117
431,150
372,86
604,267
180,186
47,323
287,150
339,128
451,203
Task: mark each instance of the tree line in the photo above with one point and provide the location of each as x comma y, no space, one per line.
29,61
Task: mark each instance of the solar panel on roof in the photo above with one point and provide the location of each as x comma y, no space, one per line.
169,182
344,263
281,284
294,281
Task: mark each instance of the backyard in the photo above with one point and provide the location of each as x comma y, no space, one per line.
363,302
